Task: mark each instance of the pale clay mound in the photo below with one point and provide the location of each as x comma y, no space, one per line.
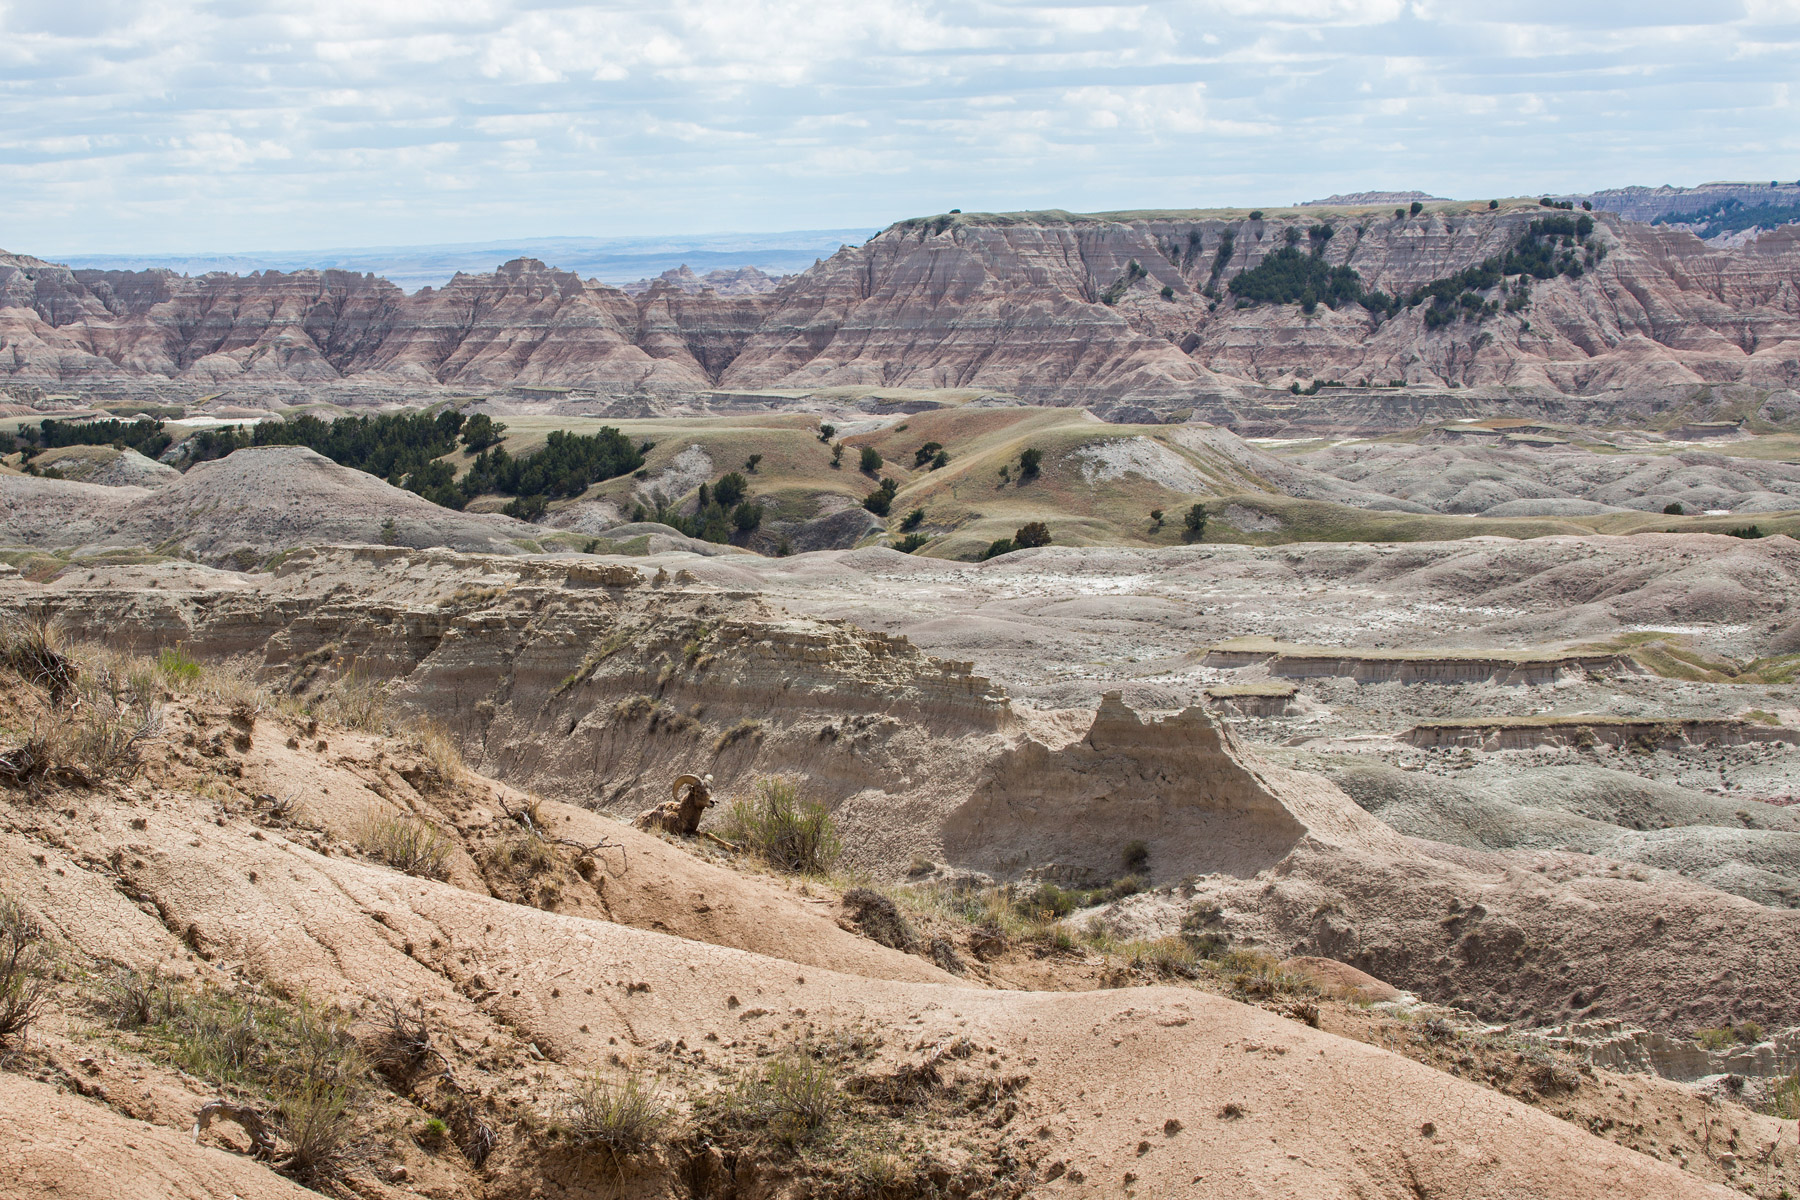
1697,836
56,1144
1140,456
107,466
261,500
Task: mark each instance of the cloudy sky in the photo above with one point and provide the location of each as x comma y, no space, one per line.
170,126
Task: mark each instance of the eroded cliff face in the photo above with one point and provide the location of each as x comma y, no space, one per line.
594,683
1045,306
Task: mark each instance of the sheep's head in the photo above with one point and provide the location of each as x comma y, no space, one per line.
695,787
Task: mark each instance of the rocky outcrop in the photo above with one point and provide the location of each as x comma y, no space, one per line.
1048,306
1508,668
1526,733
1181,786
1621,1047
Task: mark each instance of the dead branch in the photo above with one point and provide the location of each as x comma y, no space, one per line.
522,817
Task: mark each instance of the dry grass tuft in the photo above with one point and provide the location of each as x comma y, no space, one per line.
33,645
745,730
353,701
314,1121
443,758
405,843
92,728
791,1099
24,970
522,855
619,1117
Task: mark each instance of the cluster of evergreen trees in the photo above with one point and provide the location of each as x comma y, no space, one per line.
406,449
145,436
1546,248
1289,276
564,468
1733,216
721,510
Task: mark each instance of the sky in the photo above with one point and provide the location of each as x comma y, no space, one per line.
161,126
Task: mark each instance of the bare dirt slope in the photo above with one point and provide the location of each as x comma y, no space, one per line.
53,1143
1187,1093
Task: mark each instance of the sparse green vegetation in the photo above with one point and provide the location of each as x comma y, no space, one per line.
295,1061
790,1099
177,667
869,460
786,831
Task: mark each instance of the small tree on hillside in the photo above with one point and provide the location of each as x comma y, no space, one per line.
730,489
837,455
870,461
1031,534
1029,462
1194,524
750,463
481,431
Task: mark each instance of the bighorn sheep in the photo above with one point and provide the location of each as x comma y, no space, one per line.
690,797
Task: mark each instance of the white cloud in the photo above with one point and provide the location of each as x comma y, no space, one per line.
192,124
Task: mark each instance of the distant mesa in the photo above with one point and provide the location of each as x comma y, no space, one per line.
741,281
1355,199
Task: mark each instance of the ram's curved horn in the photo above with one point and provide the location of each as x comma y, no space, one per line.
682,781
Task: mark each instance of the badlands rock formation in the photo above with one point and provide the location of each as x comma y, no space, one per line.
181,877
1009,303
597,683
